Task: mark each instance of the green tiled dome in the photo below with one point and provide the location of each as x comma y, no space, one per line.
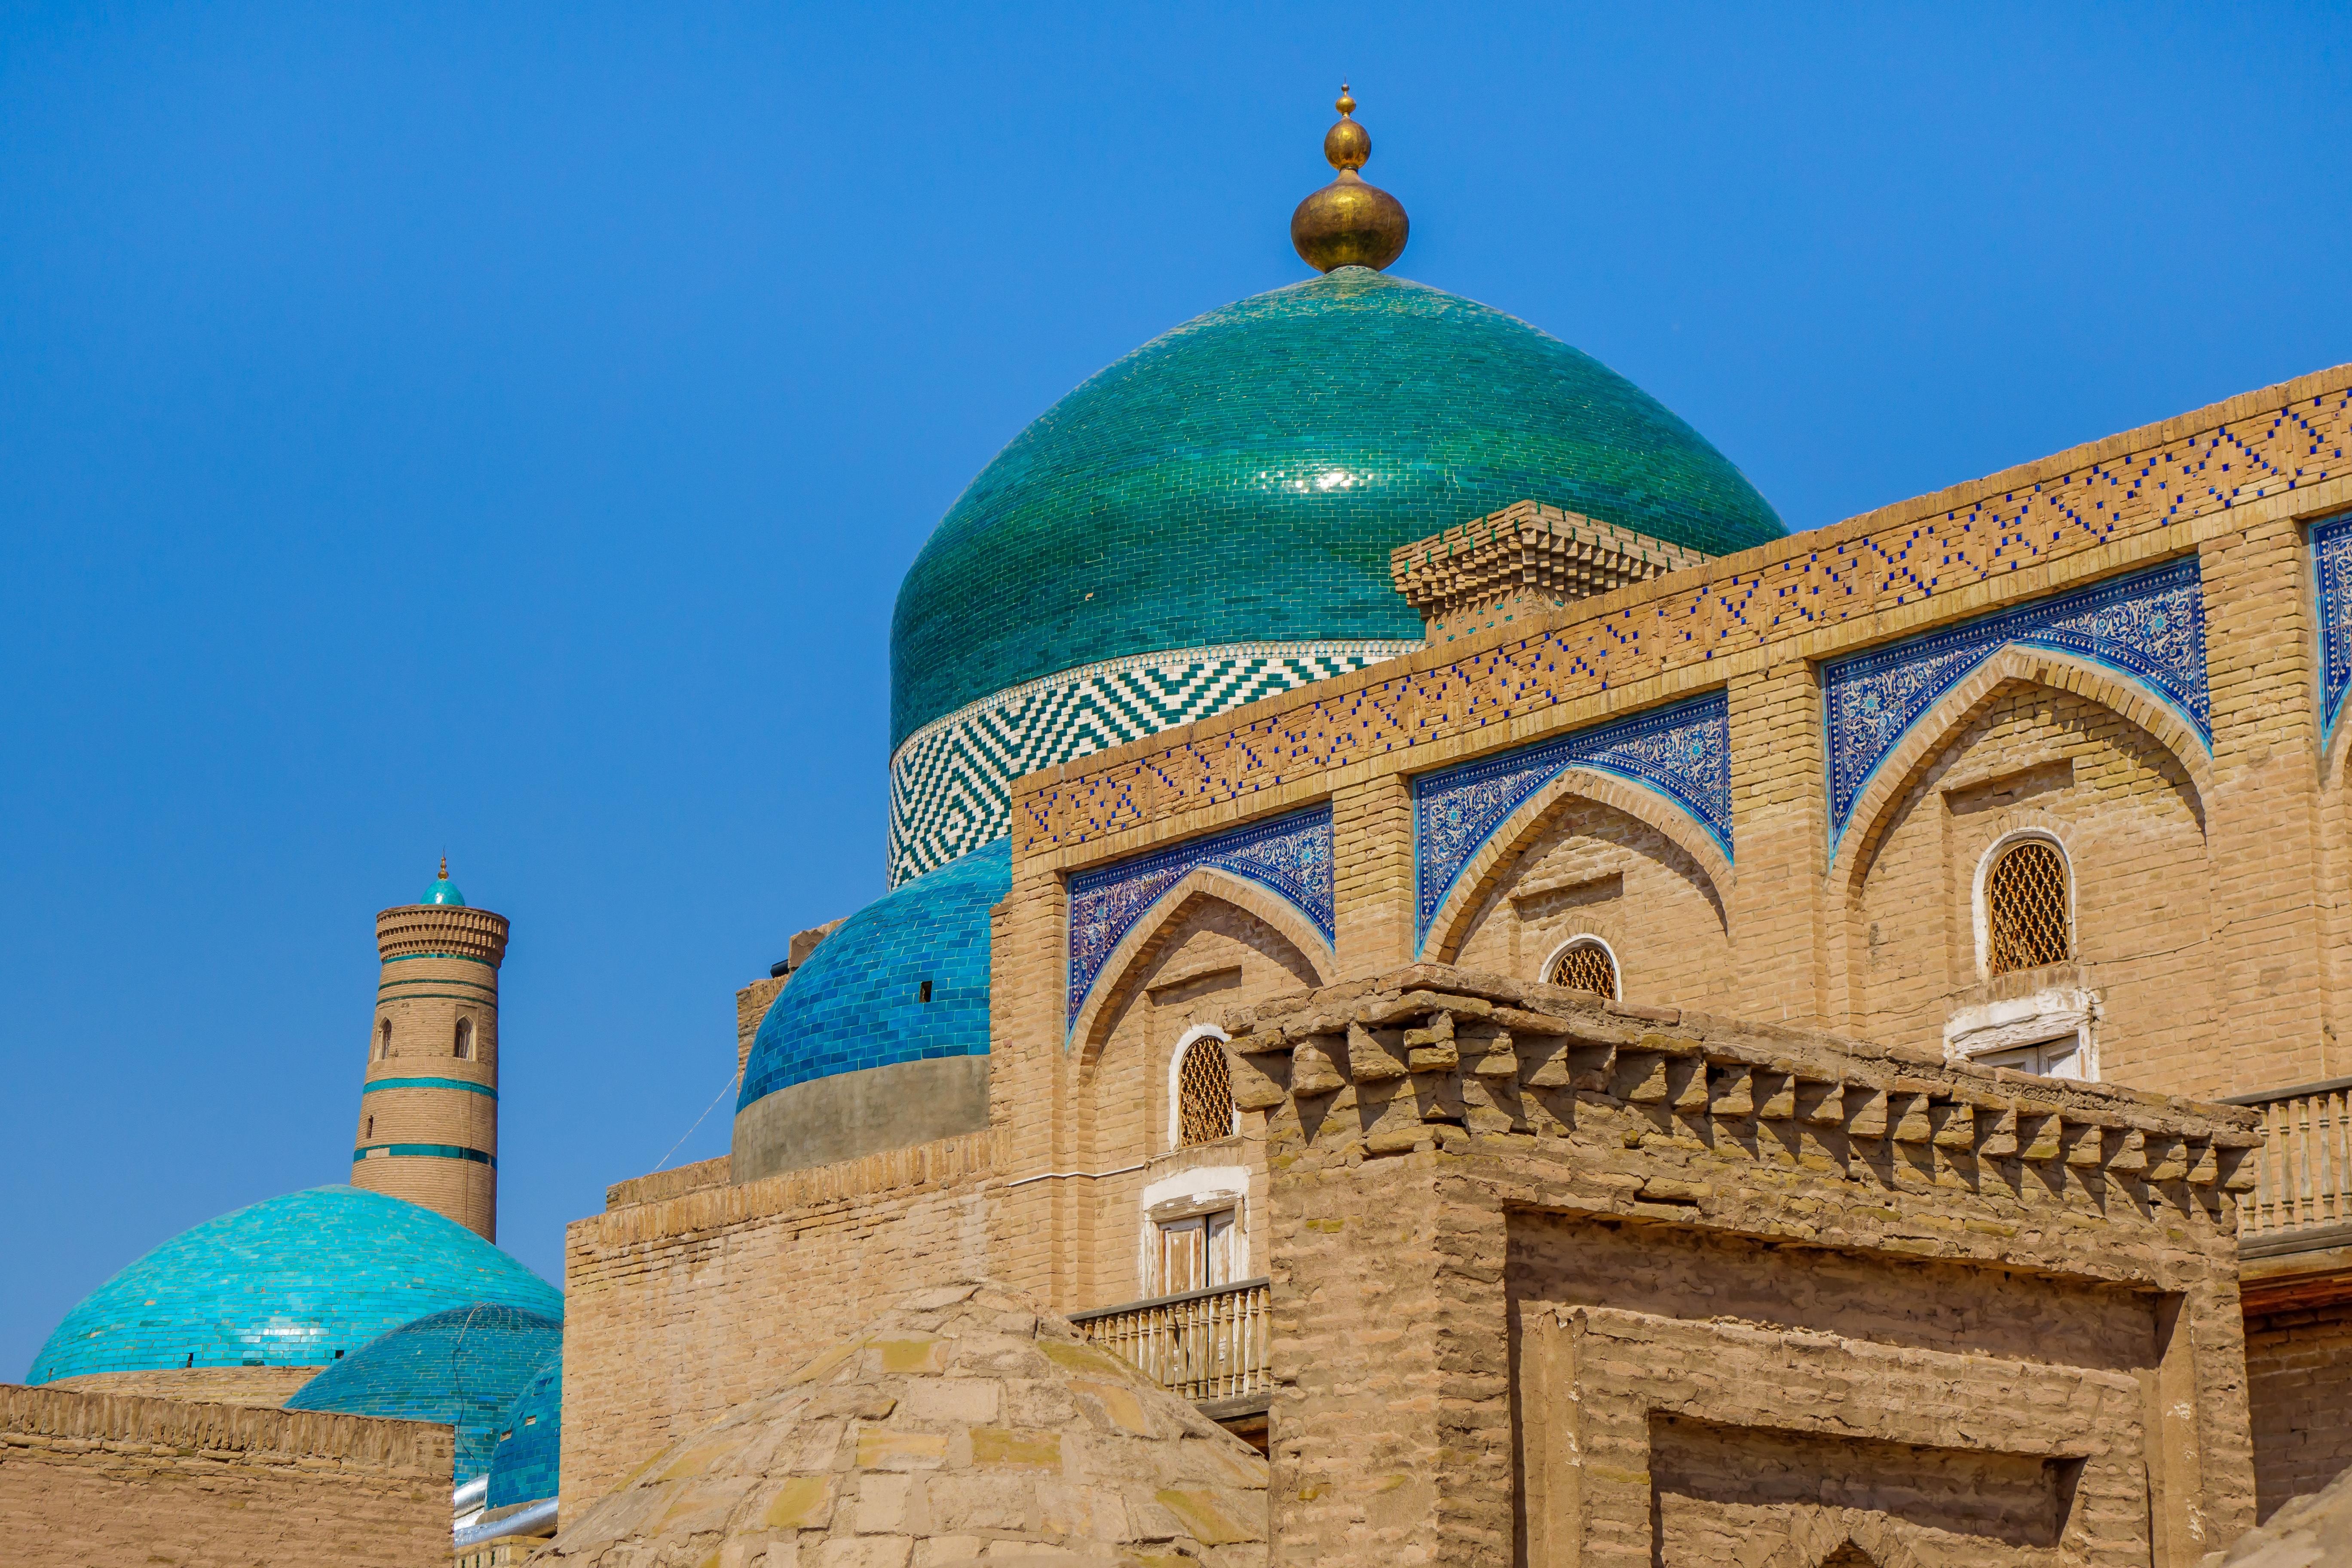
1244,478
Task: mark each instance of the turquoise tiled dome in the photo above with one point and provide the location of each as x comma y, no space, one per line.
1245,477
465,1366
525,1463
858,1001
289,1282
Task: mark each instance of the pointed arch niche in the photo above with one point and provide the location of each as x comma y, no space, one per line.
1211,942
2033,743
1589,855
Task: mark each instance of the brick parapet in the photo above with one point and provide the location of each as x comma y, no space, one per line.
91,1477
65,1421
672,1183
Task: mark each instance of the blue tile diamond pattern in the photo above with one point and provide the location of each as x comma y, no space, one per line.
2149,627
1682,752
859,1002
1291,856
289,1282
465,1366
952,783
2331,558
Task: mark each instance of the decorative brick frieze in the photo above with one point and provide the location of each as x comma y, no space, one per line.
1682,753
2331,557
1291,856
2149,626
1984,545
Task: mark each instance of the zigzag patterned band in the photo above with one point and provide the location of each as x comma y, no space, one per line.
951,782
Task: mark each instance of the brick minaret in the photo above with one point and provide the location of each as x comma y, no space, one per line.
428,1129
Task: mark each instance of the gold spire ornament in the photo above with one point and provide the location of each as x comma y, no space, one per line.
1348,222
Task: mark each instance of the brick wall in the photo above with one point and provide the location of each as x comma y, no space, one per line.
265,1387
1211,957
679,1308
1596,870
2299,1381
2131,820
90,1479
1559,1283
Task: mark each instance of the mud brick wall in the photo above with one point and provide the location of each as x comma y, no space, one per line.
88,1478
1558,1282
2299,1378
679,1309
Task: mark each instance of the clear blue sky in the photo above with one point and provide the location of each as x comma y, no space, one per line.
503,430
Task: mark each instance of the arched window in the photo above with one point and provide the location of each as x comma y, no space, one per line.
1204,1094
383,1039
370,1134
2029,907
1586,964
465,1037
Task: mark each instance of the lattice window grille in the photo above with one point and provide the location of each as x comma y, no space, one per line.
1204,1094
1587,966
2027,913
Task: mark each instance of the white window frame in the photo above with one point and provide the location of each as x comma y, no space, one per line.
1616,964
1175,1089
1203,1189
1983,881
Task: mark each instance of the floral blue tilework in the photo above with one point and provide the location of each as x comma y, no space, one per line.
2149,626
526,1464
291,1281
2331,557
1682,752
859,1001
1291,856
465,1366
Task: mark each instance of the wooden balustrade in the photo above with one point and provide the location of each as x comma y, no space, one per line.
1207,1345
2302,1171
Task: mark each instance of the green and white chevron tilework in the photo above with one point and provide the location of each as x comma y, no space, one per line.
952,783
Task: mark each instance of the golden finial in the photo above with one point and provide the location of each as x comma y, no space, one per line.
1348,222
445,867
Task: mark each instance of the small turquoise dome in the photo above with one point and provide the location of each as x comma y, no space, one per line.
289,1282
525,1464
1245,477
464,1366
858,1001
444,891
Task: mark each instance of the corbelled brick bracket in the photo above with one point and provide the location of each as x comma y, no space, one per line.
1558,1282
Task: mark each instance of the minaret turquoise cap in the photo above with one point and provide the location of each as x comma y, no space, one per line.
444,891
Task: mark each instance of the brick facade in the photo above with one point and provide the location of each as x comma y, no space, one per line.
1557,1282
88,1479
1700,1256
680,1307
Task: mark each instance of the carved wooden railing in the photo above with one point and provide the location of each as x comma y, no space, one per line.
1207,1345
2302,1171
